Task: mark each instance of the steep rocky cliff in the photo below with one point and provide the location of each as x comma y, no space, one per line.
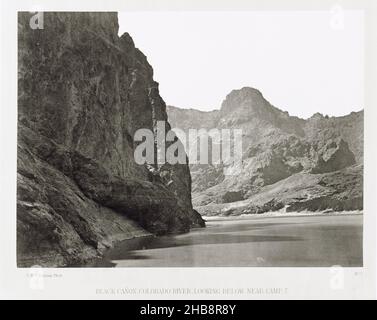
82,94
285,158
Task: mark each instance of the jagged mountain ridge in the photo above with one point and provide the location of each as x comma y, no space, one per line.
276,146
83,92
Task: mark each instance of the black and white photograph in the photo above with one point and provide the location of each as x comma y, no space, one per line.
182,139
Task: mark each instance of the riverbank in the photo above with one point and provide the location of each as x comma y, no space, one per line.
283,213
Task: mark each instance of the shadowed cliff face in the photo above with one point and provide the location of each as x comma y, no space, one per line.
83,93
284,158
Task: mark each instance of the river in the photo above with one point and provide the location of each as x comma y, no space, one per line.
256,241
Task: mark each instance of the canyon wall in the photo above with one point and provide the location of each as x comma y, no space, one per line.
83,92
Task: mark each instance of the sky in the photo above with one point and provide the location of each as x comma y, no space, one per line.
303,62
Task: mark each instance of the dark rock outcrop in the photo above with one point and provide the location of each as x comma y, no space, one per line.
83,93
276,147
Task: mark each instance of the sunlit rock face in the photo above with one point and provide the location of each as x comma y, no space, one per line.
83,92
284,158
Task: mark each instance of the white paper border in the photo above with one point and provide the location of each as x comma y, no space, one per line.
268,283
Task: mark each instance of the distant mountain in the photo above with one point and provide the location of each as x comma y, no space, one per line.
288,162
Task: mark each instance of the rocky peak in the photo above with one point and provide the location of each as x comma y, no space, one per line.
244,97
317,117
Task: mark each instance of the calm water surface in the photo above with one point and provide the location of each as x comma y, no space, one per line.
301,241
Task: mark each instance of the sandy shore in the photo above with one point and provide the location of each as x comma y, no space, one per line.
283,214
